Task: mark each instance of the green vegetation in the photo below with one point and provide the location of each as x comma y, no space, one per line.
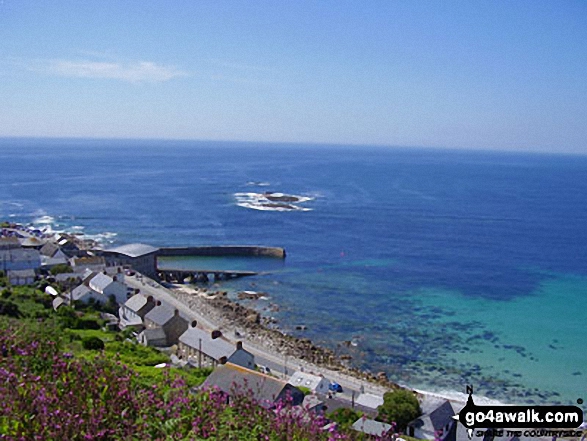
64,376
400,406
61,268
345,417
93,343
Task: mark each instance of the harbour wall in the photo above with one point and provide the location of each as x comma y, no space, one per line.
224,251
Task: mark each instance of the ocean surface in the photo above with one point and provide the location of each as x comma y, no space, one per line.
442,268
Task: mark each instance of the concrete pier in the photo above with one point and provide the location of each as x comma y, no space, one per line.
200,276
224,251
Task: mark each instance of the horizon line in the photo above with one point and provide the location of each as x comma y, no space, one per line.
471,149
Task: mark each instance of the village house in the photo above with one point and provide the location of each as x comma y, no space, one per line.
154,337
92,263
84,293
369,401
436,422
52,255
133,311
210,349
371,427
170,320
9,243
17,259
109,286
21,277
266,390
100,287
68,245
141,257
315,383
32,242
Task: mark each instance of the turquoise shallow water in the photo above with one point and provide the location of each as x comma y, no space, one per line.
444,268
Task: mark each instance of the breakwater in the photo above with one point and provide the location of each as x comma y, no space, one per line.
224,251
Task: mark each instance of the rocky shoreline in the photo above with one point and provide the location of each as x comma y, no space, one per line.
245,322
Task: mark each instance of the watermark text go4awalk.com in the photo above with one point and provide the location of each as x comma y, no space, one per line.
499,417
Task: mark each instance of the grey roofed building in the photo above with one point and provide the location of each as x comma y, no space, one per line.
313,382
21,277
62,277
49,249
141,257
436,419
134,309
100,282
140,305
32,242
79,292
161,314
371,427
83,263
211,348
369,400
173,322
136,302
153,337
133,250
215,348
19,259
10,242
266,390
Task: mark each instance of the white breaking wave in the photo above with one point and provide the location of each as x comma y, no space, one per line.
271,201
50,226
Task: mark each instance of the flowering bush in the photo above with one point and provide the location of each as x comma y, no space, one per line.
50,395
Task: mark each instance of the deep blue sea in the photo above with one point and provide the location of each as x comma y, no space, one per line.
445,268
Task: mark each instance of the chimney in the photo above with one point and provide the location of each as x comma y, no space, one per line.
176,312
239,345
194,324
215,334
158,303
150,299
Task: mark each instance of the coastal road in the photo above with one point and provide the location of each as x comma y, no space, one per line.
280,365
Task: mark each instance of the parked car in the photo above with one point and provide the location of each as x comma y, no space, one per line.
264,369
335,387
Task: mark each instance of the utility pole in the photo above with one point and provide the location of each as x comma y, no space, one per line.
285,364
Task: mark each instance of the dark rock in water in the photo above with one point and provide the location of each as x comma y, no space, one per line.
577,373
280,205
301,327
281,197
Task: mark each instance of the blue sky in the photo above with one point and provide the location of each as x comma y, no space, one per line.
508,75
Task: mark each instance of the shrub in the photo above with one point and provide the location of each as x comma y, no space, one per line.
93,343
345,417
62,268
9,308
400,406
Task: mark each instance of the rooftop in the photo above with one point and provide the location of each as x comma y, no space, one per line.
231,378
133,250
136,302
215,348
100,282
371,427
